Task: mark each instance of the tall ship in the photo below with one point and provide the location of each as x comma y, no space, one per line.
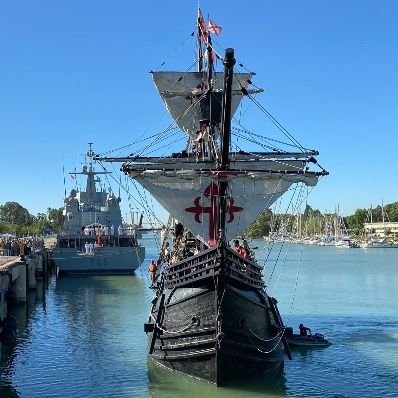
94,239
211,316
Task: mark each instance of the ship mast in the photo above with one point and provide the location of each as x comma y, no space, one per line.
90,173
229,62
90,185
205,50
200,51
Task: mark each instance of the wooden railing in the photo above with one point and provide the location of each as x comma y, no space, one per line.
219,260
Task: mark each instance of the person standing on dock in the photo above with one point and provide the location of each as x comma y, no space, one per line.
21,244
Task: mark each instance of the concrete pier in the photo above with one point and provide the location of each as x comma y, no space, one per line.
34,267
12,281
19,275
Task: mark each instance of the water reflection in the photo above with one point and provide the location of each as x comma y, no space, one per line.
22,313
164,383
85,337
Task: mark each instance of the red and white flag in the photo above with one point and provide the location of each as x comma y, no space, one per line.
202,27
214,28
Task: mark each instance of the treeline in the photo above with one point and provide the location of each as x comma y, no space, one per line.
313,222
15,219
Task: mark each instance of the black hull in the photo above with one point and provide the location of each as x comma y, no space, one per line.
212,320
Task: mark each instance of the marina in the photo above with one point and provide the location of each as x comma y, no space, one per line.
90,330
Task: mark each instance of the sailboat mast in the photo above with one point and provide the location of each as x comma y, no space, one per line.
229,62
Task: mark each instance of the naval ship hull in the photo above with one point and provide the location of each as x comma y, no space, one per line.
101,261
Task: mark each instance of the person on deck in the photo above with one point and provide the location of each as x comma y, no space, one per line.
152,269
166,253
178,233
240,249
247,248
304,330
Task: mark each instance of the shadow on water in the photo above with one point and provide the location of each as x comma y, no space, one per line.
305,351
21,312
8,391
75,282
87,328
164,383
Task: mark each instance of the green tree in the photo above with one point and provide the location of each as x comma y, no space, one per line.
355,222
14,213
55,218
16,219
391,211
262,226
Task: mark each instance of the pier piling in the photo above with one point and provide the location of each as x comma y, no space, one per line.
19,275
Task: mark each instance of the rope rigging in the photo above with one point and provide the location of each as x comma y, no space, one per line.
143,203
278,336
194,322
174,51
302,196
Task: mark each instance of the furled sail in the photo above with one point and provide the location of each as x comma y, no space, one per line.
188,100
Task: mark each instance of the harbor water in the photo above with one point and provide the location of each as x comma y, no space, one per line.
84,336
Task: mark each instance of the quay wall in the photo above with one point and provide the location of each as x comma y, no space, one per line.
18,276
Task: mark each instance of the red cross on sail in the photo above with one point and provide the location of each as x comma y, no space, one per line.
212,193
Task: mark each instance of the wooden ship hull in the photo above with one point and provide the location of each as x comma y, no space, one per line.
211,319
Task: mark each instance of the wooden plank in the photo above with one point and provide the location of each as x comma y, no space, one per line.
158,317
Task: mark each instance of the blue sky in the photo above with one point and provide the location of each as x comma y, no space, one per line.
73,72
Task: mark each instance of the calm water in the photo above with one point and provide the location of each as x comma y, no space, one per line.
84,336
